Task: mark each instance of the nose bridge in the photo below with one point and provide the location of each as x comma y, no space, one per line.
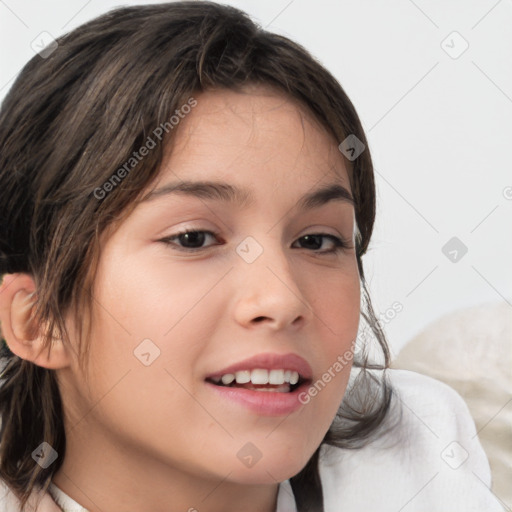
265,255
269,285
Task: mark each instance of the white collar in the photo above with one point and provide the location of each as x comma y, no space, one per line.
285,499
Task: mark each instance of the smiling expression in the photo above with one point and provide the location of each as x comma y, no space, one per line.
248,281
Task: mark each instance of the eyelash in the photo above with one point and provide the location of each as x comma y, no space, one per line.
340,244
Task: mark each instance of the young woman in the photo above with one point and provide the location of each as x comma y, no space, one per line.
185,203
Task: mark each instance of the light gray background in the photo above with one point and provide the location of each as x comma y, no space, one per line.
439,130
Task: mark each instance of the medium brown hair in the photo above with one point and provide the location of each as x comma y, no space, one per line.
71,120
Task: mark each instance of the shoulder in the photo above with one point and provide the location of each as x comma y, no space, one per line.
38,502
8,501
428,458
430,403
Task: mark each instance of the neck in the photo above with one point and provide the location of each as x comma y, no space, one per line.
101,475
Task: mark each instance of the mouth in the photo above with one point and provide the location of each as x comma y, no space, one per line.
278,373
267,384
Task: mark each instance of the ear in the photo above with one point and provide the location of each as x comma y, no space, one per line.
23,336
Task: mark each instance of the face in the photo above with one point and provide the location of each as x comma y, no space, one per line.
171,310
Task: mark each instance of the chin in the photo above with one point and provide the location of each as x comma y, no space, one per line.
269,470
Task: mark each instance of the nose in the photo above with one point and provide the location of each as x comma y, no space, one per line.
269,292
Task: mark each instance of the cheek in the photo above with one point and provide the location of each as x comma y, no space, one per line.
142,310
336,302
127,302
151,296
337,315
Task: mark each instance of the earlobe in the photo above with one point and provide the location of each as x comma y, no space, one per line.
23,336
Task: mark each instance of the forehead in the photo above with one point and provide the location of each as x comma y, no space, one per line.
255,110
258,133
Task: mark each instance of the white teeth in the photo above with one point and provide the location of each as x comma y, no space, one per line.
228,378
276,377
243,377
260,376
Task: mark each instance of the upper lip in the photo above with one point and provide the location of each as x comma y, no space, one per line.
270,361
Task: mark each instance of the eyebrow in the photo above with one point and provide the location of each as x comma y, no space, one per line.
222,191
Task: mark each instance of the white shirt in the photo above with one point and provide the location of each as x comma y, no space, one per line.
432,461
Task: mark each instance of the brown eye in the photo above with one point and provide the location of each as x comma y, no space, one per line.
190,240
314,242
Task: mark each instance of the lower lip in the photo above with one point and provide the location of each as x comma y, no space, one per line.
269,403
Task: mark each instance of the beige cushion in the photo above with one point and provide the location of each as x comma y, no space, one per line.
471,351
